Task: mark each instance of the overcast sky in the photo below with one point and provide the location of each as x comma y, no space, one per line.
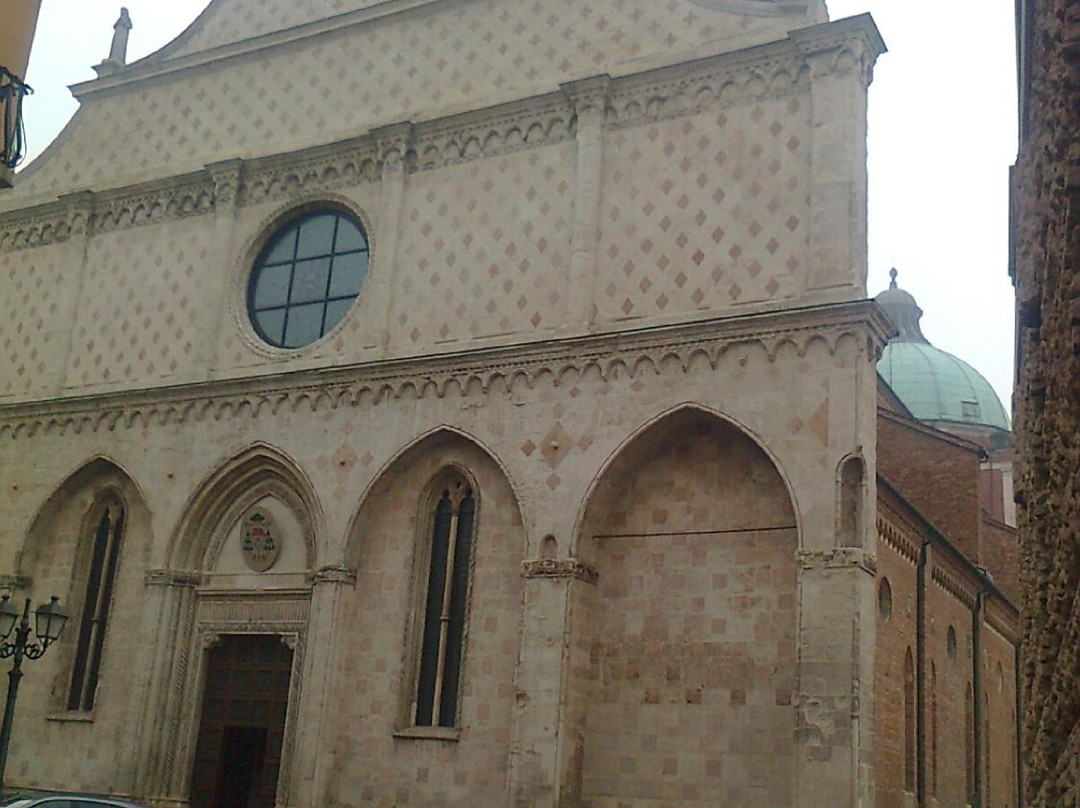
942,137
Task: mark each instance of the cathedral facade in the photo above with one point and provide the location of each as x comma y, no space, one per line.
461,403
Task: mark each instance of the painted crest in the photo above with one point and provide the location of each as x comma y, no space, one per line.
260,540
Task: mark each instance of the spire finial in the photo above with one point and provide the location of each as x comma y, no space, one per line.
892,274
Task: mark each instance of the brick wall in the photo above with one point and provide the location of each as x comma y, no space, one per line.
1000,553
895,634
948,764
938,474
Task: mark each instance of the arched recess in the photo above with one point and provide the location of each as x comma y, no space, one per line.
233,486
99,656
66,514
376,667
851,493
686,410
687,642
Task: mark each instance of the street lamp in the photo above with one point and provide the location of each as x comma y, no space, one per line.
49,619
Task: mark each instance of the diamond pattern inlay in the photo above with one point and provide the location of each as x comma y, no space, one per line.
705,212
484,247
142,312
411,66
31,333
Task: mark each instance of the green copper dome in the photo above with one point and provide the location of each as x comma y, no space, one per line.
936,386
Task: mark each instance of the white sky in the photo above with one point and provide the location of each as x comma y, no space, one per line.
942,137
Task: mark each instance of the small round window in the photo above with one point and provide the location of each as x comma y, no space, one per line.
307,278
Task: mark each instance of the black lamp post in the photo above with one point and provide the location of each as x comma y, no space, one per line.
49,621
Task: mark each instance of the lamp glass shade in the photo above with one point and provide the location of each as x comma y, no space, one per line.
50,619
9,616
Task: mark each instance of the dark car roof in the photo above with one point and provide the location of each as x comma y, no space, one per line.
37,797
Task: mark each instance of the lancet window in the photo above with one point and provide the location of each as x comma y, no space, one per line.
104,557
451,524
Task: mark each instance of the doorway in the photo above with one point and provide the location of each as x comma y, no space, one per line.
242,730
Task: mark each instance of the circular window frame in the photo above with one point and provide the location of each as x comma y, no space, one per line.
264,233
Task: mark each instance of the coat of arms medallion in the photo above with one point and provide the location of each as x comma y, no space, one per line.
260,540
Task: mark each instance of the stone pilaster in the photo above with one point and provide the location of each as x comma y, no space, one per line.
591,98
395,146
837,621
167,617
841,71
317,697
79,221
227,176
542,748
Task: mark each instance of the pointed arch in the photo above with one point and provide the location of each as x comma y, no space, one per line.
88,545
69,509
230,488
666,417
692,530
436,544
429,439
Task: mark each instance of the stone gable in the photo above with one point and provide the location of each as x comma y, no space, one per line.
395,61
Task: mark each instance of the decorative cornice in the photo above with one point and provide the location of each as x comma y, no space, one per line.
838,558
775,69
560,568
655,350
182,578
334,575
953,586
893,537
508,127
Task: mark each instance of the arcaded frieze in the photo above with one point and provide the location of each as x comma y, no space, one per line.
478,373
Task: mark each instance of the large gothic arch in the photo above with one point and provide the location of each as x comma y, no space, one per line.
425,442
662,420
690,633
233,485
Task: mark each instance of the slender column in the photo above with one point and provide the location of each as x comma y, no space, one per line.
318,697
840,75
169,614
591,98
395,145
545,740
444,610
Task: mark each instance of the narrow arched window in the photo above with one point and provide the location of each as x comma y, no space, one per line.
909,722
100,579
452,525
850,524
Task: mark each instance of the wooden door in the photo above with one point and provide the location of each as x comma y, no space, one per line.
238,754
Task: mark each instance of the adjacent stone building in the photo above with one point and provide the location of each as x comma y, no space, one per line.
1046,241
473,403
